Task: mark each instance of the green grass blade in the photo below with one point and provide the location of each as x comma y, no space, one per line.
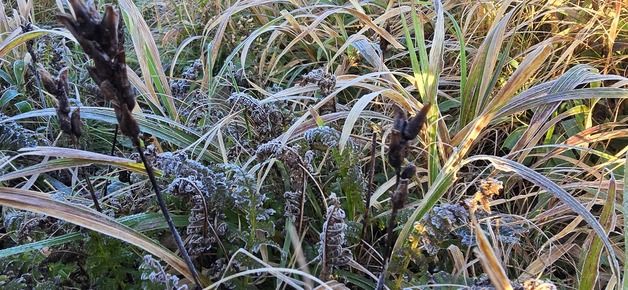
462,54
43,203
591,266
432,77
148,56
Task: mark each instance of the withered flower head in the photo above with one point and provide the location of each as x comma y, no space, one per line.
396,150
401,119
75,122
58,86
489,188
408,172
414,124
404,130
102,40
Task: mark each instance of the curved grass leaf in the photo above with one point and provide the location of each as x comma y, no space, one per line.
160,127
590,268
69,158
506,165
142,222
82,216
17,38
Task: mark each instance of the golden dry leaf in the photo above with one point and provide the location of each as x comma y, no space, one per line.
536,284
333,284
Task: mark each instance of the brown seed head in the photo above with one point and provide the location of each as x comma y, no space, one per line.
414,125
400,195
75,121
408,172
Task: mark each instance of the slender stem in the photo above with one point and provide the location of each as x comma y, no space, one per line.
367,210
90,186
92,192
113,149
387,251
166,213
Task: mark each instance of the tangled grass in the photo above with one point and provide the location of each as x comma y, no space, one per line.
277,131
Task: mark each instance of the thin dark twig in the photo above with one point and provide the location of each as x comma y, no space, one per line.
92,192
90,185
113,149
166,213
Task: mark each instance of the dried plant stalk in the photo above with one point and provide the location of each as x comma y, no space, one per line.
102,39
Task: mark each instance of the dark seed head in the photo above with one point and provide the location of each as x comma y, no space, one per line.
396,150
75,121
414,125
400,119
408,172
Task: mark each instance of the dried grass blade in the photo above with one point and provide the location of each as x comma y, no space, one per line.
43,203
625,207
537,266
591,266
506,165
491,265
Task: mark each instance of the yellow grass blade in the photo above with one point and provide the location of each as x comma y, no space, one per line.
491,265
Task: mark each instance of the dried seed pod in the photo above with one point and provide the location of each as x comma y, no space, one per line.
75,121
408,172
400,195
50,84
413,127
63,104
65,123
396,150
401,119
128,125
102,39
109,26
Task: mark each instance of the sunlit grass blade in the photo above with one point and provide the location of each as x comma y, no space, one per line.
16,39
481,72
506,165
148,57
491,265
568,81
68,158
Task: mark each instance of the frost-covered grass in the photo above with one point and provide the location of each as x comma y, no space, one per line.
285,141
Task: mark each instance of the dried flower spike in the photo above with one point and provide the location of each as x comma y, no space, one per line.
58,86
103,42
102,39
75,122
404,131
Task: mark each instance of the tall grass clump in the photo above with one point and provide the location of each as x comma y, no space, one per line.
313,144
